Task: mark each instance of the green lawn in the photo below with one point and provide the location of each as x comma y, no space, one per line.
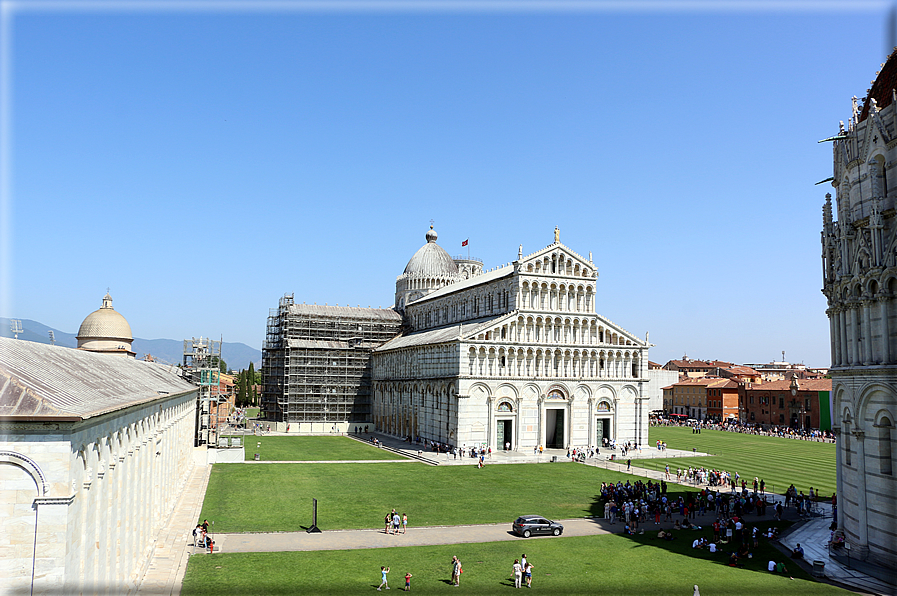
781,462
278,497
313,449
612,564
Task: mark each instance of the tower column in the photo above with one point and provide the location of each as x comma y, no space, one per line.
833,331
862,530
842,337
883,303
868,348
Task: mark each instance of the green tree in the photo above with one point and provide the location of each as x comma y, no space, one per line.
241,389
251,394
222,365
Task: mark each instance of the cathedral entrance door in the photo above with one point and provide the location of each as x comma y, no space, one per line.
554,429
603,426
504,434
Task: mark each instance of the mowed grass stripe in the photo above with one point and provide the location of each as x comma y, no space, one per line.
278,497
780,462
316,448
587,565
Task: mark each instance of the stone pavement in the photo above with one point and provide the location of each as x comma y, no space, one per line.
813,536
377,538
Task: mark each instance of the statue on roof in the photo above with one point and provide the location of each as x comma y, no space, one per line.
557,234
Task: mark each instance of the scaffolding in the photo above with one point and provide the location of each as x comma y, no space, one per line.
202,361
316,361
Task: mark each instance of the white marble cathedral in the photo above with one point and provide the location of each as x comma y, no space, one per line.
859,252
515,356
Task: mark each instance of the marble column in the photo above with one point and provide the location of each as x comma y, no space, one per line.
843,341
868,354
863,531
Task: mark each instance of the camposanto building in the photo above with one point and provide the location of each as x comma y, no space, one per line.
514,357
859,251
92,449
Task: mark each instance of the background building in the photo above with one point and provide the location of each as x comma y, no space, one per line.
859,272
316,363
798,404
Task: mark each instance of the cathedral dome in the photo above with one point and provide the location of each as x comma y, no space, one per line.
105,330
432,260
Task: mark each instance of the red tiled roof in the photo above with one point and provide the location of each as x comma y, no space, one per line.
883,86
805,385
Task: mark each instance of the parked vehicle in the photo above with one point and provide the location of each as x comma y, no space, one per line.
531,525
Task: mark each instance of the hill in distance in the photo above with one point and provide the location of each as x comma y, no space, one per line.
170,351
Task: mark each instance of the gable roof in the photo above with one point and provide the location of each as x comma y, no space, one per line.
44,381
435,336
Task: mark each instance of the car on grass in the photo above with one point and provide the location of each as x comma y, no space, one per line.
532,525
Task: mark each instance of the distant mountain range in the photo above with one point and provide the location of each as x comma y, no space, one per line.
170,351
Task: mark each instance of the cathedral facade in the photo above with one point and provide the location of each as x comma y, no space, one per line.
859,255
514,357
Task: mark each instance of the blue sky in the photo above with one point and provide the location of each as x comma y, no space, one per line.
201,160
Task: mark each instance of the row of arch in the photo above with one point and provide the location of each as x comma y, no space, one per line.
484,301
876,171
418,361
547,329
562,363
109,497
427,410
860,322
558,297
558,264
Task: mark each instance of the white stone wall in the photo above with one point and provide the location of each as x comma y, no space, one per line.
657,380
864,413
110,485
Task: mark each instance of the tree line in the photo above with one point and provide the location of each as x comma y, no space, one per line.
246,382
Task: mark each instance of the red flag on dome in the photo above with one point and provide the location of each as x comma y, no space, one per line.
465,242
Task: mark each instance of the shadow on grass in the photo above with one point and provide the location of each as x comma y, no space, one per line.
760,556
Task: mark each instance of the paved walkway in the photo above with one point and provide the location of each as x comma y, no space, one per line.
165,572
377,538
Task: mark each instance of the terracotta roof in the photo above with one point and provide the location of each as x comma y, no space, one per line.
741,370
804,384
883,87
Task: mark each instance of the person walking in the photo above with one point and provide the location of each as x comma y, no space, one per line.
383,572
404,523
518,573
528,575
